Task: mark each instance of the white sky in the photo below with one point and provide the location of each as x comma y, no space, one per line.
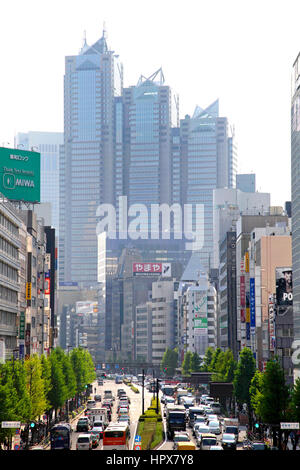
240,52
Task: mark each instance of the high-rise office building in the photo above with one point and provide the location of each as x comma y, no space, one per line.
295,150
205,166
93,79
150,111
48,144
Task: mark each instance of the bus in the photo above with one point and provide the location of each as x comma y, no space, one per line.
60,436
116,437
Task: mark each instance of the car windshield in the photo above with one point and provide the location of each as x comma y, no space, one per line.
83,439
214,423
229,437
209,442
202,429
181,437
258,445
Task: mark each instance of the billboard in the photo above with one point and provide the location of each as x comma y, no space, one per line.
20,174
252,302
284,286
160,269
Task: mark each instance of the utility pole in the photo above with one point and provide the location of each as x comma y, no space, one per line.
143,386
157,396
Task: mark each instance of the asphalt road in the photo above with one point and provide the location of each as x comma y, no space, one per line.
135,407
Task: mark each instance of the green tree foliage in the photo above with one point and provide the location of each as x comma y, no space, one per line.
242,380
195,363
83,367
224,367
243,375
255,391
23,405
57,394
46,376
214,359
35,386
169,361
295,401
274,397
207,359
8,397
186,365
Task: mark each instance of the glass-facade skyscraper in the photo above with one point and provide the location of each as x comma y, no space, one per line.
93,79
208,161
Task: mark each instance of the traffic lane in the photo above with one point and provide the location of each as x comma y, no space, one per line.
135,406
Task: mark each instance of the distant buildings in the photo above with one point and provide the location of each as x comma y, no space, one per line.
49,146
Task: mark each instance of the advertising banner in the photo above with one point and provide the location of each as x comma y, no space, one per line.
271,324
242,298
160,269
20,174
284,286
252,302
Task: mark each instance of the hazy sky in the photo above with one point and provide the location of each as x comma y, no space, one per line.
240,52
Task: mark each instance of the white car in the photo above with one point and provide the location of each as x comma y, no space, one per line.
84,442
197,426
214,427
201,430
211,417
216,448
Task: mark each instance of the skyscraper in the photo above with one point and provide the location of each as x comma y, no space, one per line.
150,111
206,164
93,79
295,176
48,144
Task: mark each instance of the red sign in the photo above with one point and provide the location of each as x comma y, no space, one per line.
242,298
163,269
47,286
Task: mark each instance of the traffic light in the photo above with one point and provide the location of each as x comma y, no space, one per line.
32,425
256,426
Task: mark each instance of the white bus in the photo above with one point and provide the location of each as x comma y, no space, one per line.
116,437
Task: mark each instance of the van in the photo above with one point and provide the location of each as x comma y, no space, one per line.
208,440
108,394
84,442
188,445
91,404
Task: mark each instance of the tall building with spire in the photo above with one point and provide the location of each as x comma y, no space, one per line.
208,161
150,111
92,82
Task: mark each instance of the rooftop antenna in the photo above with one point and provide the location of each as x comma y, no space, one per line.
104,30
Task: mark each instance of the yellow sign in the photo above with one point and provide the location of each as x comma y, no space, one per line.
247,315
28,290
247,262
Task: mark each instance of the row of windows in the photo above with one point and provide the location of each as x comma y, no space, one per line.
8,295
8,248
8,272
6,223
7,318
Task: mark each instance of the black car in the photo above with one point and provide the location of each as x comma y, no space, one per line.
82,425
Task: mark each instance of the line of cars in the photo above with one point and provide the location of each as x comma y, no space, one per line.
96,419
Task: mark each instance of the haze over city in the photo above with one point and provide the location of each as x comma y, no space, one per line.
238,52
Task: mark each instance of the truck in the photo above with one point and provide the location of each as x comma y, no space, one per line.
99,414
175,419
231,426
180,392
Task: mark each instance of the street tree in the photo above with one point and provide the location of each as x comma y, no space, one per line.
242,380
